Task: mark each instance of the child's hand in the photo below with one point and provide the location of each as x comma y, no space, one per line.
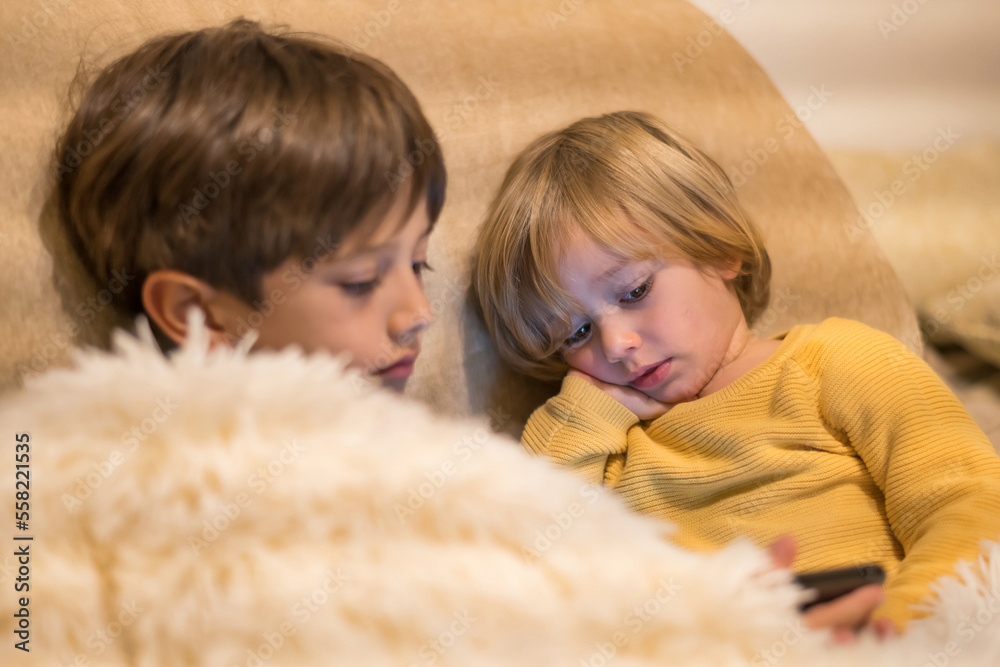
845,615
644,407
849,614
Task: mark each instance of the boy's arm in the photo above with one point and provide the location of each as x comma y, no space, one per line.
937,470
582,428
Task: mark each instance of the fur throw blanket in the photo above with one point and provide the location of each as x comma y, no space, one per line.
222,509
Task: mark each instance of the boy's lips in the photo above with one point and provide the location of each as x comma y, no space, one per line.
401,368
651,375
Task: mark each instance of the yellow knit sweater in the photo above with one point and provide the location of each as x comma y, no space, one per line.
842,438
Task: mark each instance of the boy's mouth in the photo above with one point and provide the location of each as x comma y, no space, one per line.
401,368
651,375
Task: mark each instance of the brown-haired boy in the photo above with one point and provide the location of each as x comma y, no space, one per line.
277,182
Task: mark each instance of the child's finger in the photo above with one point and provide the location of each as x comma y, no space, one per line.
639,403
644,407
580,374
885,628
782,551
848,611
843,635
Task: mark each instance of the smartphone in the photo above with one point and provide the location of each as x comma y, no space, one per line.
831,584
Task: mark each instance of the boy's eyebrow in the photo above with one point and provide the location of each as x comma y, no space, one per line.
376,248
620,264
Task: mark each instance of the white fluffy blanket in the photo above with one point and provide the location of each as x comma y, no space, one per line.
223,509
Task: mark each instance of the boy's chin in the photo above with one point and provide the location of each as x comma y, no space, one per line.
394,384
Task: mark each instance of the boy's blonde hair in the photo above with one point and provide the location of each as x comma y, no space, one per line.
633,186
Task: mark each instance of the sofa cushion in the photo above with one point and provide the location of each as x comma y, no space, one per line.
936,215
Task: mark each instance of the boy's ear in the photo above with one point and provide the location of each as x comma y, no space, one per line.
167,297
730,269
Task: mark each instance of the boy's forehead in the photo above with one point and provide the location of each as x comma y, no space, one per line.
580,258
389,227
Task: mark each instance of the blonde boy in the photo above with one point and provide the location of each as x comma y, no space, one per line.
616,255
277,182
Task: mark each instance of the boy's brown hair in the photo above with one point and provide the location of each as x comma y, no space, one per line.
224,152
636,188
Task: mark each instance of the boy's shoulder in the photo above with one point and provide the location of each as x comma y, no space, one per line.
838,331
840,348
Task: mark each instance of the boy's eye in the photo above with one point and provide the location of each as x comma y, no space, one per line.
578,336
420,267
360,289
639,292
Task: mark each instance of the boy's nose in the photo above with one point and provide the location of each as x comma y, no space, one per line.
618,343
412,314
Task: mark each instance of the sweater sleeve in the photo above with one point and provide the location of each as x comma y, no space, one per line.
581,428
938,472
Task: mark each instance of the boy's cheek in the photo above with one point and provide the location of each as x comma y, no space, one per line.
579,360
586,361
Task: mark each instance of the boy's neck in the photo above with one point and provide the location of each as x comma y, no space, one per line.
746,352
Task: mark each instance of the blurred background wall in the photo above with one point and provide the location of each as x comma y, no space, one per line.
896,69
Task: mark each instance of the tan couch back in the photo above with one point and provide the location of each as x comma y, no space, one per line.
491,75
